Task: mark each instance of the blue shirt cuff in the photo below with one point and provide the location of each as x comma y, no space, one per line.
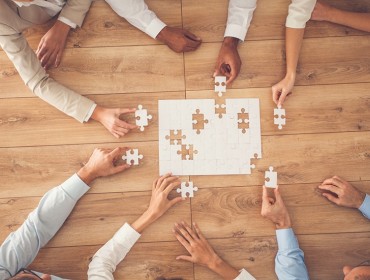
365,207
75,187
286,239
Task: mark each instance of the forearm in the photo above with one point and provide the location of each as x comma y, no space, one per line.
293,42
222,268
360,21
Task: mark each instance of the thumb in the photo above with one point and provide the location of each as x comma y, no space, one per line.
175,201
282,97
126,110
278,197
191,35
184,258
120,168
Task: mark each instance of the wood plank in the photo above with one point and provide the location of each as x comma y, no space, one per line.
306,158
264,63
235,212
145,261
98,217
106,70
268,20
102,27
35,119
311,109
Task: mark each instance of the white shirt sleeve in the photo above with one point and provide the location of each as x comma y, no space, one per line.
67,21
244,275
299,13
137,13
239,18
105,260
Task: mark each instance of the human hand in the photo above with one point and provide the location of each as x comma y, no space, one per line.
102,163
283,89
275,210
178,39
321,11
110,119
201,252
52,44
159,202
228,63
342,193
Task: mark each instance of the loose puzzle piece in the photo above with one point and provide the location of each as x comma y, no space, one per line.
220,85
271,178
243,120
175,137
187,188
198,121
132,157
187,152
142,117
279,117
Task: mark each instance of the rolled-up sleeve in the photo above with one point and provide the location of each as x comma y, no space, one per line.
365,207
299,13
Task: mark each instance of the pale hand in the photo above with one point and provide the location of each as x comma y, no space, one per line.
110,119
52,45
321,11
179,40
274,209
342,193
102,163
283,89
228,63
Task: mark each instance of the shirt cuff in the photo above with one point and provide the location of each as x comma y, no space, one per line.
236,31
67,21
286,239
155,27
365,207
75,187
89,114
126,236
244,275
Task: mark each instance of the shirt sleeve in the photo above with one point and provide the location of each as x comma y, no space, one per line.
68,22
244,275
107,258
21,246
365,207
239,18
74,12
299,13
289,261
136,12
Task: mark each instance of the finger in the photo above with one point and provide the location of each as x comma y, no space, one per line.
275,94
117,152
58,59
120,168
192,36
282,98
115,134
51,60
184,258
190,231
167,182
199,232
120,124
217,69
45,58
126,110
264,193
171,186
161,179
192,44
41,51
184,233
278,195
331,198
330,188
188,49
119,133
175,201
334,181
182,240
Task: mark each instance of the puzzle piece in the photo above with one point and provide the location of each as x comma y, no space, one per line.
175,137
187,152
271,178
187,188
279,117
142,117
198,121
132,157
220,85
243,120
220,107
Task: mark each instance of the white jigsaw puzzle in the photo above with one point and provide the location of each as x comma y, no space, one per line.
279,117
187,189
271,178
220,85
142,117
132,157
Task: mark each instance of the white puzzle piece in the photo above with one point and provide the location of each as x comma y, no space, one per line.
142,117
132,157
271,178
279,117
187,189
220,85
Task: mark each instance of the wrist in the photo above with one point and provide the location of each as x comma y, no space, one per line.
145,220
361,199
231,42
215,263
290,74
162,35
97,114
86,175
62,27
284,224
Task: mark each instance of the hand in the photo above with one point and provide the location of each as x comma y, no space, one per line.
228,63
283,89
201,252
342,193
275,210
321,11
110,118
102,163
52,44
179,40
159,202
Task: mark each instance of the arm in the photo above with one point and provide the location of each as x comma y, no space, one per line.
240,14
107,258
299,13
324,12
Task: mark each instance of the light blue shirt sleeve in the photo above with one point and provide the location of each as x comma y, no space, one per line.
21,246
289,261
365,207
